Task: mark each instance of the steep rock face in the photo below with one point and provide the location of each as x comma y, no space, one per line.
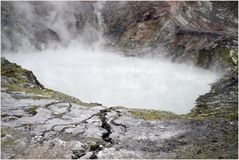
124,20
40,125
189,30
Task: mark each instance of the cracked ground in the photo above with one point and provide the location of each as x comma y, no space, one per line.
47,128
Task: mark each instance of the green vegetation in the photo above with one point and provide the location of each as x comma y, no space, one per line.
205,112
232,116
225,56
154,114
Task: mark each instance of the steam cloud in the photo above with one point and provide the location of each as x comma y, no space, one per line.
111,79
79,66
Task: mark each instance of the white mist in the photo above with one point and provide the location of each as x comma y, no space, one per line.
115,80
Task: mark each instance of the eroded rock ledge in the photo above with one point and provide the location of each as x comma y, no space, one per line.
42,123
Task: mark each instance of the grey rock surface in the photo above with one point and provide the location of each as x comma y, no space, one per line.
68,130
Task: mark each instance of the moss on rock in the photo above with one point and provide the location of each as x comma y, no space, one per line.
32,110
154,114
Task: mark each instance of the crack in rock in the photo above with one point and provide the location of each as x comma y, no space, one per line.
69,108
106,126
118,124
105,136
53,103
102,118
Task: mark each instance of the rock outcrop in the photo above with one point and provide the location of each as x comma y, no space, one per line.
190,31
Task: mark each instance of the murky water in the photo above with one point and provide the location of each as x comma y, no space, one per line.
112,79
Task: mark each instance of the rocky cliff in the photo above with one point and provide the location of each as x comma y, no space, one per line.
191,31
41,123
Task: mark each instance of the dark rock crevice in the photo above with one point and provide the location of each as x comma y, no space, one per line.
105,125
185,32
124,127
105,136
53,103
96,148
